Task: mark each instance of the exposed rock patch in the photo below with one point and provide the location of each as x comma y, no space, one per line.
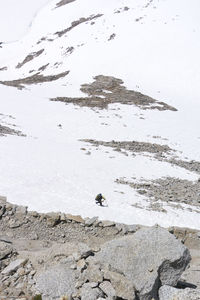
30,57
88,259
64,2
69,50
106,90
3,69
76,23
112,36
148,259
192,165
132,146
5,130
168,190
170,293
120,10
162,152
42,68
34,79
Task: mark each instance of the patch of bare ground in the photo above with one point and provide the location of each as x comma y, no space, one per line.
5,130
161,152
192,165
31,243
68,51
76,23
64,2
106,90
148,3
42,68
29,57
171,190
43,39
3,69
133,146
168,190
34,79
120,10
112,36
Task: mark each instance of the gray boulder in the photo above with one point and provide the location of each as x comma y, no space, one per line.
149,258
13,266
90,293
123,287
93,273
108,289
5,250
170,293
56,281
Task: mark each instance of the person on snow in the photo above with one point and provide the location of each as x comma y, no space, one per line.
99,199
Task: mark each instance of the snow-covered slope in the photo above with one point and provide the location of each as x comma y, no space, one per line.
153,47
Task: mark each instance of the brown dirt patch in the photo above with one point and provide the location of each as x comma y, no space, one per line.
30,57
5,130
106,90
64,2
76,23
34,79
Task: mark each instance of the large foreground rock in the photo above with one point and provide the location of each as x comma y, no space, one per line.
148,259
171,293
56,281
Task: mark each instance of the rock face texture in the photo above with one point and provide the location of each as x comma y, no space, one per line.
60,256
170,293
150,258
56,281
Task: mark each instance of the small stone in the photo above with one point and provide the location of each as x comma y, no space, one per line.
73,267
96,249
21,272
90,222
93,284
93,273
88,293
76,256
34,236
34,214
107,223
53,219
2,209
21,210
62,217
13,266
3,199
40,261
132,228
81,265
32,273
5,250
108,289
14,224
77,219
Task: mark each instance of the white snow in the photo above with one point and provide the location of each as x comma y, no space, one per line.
16,17
157,55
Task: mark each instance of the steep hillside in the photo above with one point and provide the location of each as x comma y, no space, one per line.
105,95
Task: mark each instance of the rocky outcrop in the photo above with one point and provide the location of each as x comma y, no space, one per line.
148,259
170,293
56,281
105,90
60,255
